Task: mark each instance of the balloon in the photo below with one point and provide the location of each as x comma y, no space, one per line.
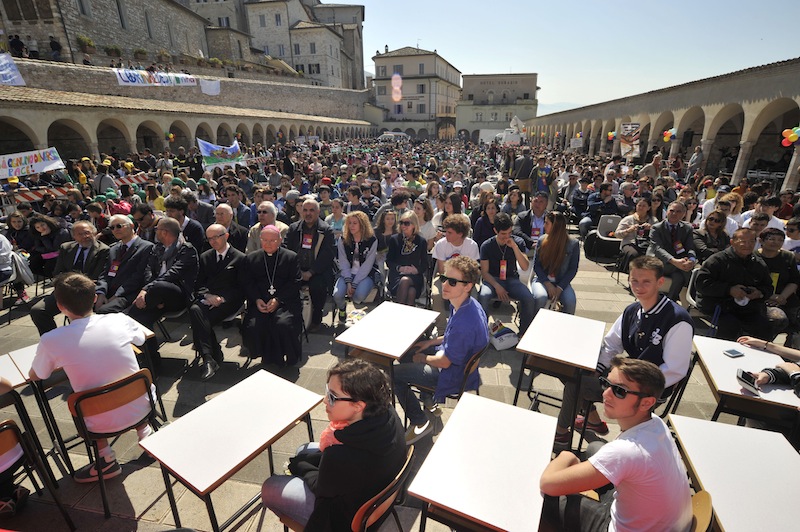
793,137
786,133
797,130
666,138
786,142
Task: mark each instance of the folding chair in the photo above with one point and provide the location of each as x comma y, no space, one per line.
702,512
169,316
104,399
691,298
29,460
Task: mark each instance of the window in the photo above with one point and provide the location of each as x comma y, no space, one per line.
296,49
281,50
224,22
421,108
479,117
83,8
494,117
313,47
421,88
381,90
241,53
277,19
398,109
330,50
410,105
262,21
470,97
421,68
266,50
313,68
300,68
509,116
169,34
123,23
147,25
382,71
332,71
398,69
526,96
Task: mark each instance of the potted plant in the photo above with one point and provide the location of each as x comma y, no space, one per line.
214,62
140,54
86,44
113,50
164,56
201,61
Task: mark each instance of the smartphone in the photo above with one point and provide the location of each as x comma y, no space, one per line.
747,381
733,353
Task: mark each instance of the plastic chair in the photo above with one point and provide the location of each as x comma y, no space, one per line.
104,399
10,438
702,511
691,298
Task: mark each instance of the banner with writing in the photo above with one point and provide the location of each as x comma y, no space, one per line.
144,78
9,74
29,162
217,155
629,140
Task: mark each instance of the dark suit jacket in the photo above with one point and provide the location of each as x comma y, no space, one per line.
132,274
195,235
237,236
95,263
221,278
323,259
661,244
203,214
181,267
522,228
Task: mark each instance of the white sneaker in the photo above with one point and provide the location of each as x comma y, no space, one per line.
417,432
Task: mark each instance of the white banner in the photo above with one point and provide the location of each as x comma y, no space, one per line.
209,86
29,162
629,140
143,78
9,75
576,143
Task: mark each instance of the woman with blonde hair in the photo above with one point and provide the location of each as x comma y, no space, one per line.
407,260
358,249
555,265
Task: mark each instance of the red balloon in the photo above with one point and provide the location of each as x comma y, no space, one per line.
786,142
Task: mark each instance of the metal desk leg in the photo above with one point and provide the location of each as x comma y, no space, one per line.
310,428
271,461
211,515
575,409
26,422
148,361
171,496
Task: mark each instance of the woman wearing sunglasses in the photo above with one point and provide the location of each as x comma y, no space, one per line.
407,259
358,248
358,454
555,265
711,237
634,230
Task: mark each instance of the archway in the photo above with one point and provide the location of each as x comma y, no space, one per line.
69,138
243,134
224,135
183,136
113,137
204,131
258,134
726,130
690,130
269,136
150,136
16,136
768,154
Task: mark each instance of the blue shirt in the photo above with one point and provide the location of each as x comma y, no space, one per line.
467,333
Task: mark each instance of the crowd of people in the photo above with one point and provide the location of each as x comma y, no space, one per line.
434,222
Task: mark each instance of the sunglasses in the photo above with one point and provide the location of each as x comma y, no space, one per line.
406,222
717,220
620,392
116,226
450,280
332,398
263,212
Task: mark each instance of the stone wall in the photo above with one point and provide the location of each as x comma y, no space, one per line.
245,93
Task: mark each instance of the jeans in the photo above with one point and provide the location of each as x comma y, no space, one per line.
585,225
289,495
359,295
413,373
517,291
567,298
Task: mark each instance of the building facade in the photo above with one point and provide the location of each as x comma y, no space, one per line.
418,91
490,101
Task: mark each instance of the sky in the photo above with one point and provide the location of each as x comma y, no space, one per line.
588,51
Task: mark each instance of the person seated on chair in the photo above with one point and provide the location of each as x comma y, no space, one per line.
357,250
739,282
146,220
191,230
94,350
599,203
634,230
313,241
711,237
173,269
267,214
499,257
651,488
237,235
84,254
555,265
654,328
359,453
197,210
218,295
407,260
672,242
783,306
439,363
48,236
126,270
13,497
529,225
271,278
456,242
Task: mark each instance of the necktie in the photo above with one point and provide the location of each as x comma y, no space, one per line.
674,233
220,256
123,249
80,259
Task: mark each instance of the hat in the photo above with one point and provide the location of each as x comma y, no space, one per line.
723,189
86,159
486,186
324,187
458,184
326,181
637,167
202,181
106,162
292,195
111,195
13,180
343,167
100,198
707,182
177,181
128,166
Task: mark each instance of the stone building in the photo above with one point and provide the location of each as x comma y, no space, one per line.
736,119
418,91
491,101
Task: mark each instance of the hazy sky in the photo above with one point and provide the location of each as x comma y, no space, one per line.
589,51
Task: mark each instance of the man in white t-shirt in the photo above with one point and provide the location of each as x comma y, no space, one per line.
94,350
651,489
454,243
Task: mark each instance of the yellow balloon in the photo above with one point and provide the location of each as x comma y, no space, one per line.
793,137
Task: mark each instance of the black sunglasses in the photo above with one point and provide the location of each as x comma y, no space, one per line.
117,226
620,392
450,280
332,398
715,220
405,222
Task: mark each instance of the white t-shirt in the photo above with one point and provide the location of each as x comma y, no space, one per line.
652,489
95,351
444,250
774,223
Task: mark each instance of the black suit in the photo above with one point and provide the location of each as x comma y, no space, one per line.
195,234
663,246
318,260
237,236
204,213
96,258
220,278
130,274
523,228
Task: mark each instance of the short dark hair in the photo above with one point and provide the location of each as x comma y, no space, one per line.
770,201
760,217
143,208
771,231
647,375
364,382
604,186
502,221
354,191
541,194
646,262
75,292
794,221
172,202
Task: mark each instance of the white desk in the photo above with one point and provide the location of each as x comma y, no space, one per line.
753,475
563,338
215,440
10,371
486,464
23,358
720,371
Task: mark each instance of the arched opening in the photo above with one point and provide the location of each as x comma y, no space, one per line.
475,137
410,132
292,133
16,136
726,129
204,131
768,154
69,138
224,135
113,137
183,136
243,134
150,136
269,136
258,134
690,130
282,134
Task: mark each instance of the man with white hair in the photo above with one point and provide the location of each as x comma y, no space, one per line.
126,270
223,215
267,215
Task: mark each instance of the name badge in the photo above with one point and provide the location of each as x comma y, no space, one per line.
536,232
503,270
678,247
307,241
112,270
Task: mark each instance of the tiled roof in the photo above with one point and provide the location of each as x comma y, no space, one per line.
405,51
26,95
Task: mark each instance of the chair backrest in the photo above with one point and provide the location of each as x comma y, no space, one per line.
376,507
472,366
10,436
111,396
702,511
607,224
691,290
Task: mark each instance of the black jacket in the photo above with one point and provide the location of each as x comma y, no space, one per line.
725,269
132,274
221,278
181,267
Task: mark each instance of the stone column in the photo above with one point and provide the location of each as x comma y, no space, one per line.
617,148
792,174
674,147
592,144
94,148
739,171
706,145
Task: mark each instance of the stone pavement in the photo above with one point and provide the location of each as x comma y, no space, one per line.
138,499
